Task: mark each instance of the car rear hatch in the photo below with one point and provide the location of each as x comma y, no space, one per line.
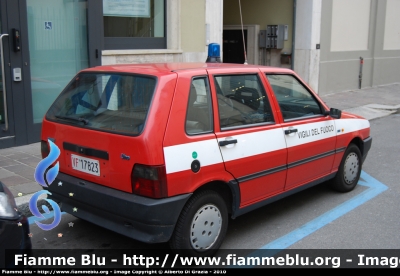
98,123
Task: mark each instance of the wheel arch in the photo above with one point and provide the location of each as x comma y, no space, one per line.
358,142
229,192
363,145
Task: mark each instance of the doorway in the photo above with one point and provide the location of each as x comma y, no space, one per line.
233,48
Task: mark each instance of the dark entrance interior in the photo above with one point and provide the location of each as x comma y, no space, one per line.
233,49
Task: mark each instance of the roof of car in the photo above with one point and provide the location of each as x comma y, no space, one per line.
165,68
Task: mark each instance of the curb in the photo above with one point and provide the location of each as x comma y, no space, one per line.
374,111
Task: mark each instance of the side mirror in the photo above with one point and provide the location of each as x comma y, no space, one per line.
335,113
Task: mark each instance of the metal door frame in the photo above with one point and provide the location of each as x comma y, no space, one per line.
13,15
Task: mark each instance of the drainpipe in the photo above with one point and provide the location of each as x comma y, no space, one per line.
361,71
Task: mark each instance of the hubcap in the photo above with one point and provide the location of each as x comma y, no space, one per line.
206,225
351,167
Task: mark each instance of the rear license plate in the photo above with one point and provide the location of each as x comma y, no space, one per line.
86,165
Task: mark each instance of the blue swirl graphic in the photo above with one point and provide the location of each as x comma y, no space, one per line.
35,211
45,179
40,172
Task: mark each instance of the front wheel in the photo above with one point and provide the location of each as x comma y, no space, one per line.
201,226
349,171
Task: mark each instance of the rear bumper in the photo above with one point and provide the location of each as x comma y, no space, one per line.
140,218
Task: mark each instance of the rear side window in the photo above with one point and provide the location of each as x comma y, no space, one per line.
199,115
108,102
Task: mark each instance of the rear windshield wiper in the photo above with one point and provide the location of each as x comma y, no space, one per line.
81,120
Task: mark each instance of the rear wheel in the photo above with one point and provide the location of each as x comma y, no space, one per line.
349,171
201,226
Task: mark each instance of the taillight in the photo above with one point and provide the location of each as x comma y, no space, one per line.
44,148
149,181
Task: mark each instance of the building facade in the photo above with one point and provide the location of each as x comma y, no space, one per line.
335,45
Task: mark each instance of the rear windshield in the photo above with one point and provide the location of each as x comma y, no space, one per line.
108,102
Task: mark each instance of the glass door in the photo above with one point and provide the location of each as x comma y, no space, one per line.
58,48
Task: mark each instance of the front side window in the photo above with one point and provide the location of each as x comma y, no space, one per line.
134,24
107,102
295,101
242,101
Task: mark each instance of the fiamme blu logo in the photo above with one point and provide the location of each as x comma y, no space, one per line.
45,175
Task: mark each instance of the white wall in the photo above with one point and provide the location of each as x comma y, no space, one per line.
392,26
308,35
214,12
350,25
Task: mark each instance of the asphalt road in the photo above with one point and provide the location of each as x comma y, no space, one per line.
317,218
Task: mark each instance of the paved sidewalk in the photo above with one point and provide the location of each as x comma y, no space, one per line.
371,103
17,168
17,165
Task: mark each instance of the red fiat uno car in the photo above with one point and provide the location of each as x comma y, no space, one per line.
168,152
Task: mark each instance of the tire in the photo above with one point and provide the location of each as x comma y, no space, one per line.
349,171
202,225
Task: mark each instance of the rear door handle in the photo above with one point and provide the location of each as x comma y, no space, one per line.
227,142
292,130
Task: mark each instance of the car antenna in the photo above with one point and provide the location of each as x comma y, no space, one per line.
244,45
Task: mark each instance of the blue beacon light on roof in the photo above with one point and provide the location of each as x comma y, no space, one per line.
214,53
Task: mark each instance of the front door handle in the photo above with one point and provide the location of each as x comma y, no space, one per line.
227,142
292,130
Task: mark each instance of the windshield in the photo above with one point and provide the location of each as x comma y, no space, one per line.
109,102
